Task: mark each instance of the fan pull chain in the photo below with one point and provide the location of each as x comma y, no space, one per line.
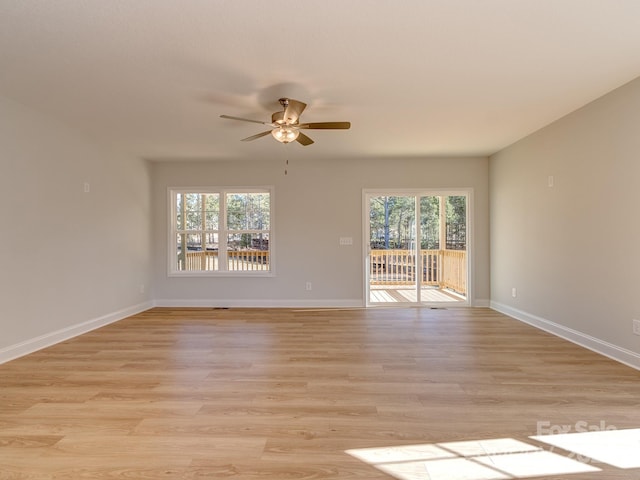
286,159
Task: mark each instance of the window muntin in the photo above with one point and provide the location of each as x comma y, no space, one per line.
220,231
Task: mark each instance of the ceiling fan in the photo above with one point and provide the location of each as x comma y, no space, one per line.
285,125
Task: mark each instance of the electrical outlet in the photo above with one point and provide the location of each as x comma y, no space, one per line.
636,327
514,292
308,286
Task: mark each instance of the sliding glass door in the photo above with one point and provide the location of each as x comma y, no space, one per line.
416,248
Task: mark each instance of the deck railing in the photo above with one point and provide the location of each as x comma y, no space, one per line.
245,260
441,268
199,260
248,260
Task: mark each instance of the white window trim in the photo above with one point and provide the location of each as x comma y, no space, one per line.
171,241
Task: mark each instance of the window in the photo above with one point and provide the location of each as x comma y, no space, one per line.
220,231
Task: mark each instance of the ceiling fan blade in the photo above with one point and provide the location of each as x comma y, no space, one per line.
293,110
326,125
229,117
257,135
303,139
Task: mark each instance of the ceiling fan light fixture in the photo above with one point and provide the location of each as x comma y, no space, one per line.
285,125
285,134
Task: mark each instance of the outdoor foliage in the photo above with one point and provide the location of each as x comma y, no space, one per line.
392,221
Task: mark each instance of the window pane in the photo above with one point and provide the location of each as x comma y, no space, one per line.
212,211
248,251
193,201
248,211
211,242
179,208
194,221
194,242
188,210
194,258
180,252
210,254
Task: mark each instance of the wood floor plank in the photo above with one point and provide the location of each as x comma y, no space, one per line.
283,394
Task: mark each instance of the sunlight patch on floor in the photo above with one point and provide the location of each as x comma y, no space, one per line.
448,469
405,453
535,464
619,448
490,459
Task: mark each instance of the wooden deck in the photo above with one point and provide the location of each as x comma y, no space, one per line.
444,269
375,394
392,294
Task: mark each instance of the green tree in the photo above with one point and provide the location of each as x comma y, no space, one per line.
430,222
456,213
391,221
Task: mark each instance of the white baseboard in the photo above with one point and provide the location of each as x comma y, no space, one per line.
619,354
38,343
225,303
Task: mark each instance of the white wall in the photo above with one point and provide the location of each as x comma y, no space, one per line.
69,260
572,250
72,261
315,204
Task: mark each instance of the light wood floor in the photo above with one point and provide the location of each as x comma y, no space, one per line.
282,394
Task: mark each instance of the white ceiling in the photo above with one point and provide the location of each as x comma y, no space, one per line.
415,77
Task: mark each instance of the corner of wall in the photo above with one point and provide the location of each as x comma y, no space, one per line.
43,341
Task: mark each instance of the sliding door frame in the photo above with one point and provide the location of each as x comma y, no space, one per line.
418,192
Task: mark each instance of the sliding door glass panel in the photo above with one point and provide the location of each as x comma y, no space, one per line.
392,249
429,240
